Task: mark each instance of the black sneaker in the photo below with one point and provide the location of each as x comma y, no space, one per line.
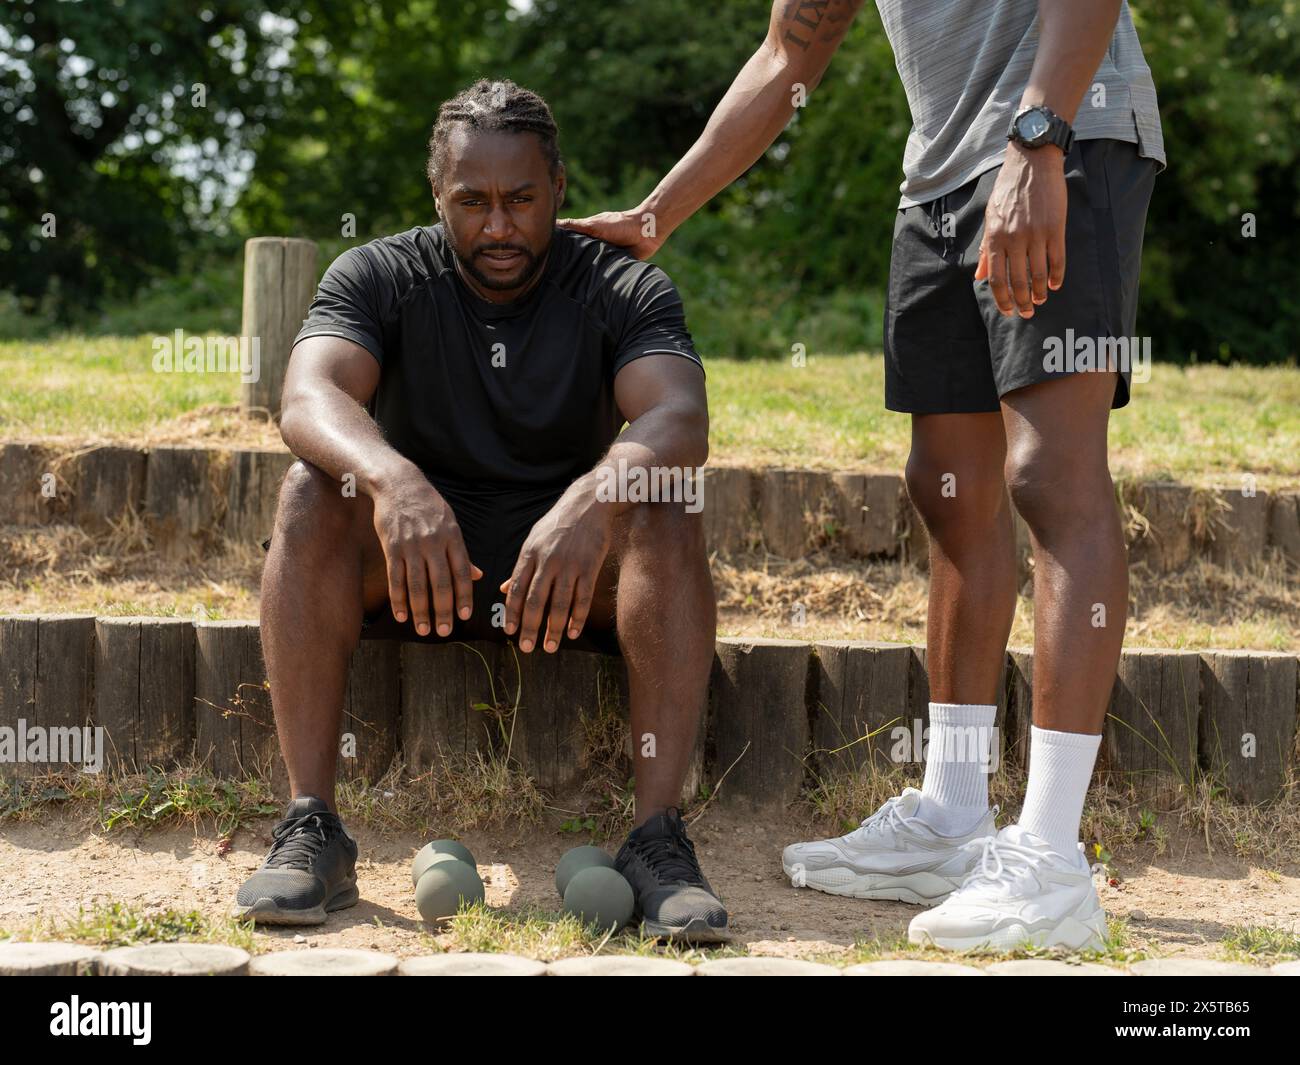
673,900
311,869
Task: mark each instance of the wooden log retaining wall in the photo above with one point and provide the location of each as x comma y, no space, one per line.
189,497
781,713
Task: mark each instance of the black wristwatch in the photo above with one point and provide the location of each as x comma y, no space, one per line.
1036,126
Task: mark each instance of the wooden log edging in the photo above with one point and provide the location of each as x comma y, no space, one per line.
200,959
782,714
187,496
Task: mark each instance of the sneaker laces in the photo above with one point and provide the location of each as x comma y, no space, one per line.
888,816
1001,863
299,840
671,858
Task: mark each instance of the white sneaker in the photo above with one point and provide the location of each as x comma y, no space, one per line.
1022,892
891,855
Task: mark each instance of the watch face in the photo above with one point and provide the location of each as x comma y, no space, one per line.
1032,125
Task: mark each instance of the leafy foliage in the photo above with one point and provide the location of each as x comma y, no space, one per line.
320,109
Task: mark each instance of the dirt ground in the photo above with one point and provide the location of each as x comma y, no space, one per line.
1182,903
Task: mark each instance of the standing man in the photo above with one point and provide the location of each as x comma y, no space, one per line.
1035,141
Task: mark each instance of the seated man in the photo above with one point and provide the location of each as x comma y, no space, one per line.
455,399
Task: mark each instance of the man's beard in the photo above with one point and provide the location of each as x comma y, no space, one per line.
531,265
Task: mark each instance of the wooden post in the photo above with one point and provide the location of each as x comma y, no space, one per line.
47,679
787,500
252,494
1242,531
862,691
759,713
730,519
371,706
1164,542
1248,720
144,690
65,671
1284,524
279,281
1020,698
441,685
918,685
799,510
557,693
17,684
108,482
182,505
868,510
234,724
1151,725
29,488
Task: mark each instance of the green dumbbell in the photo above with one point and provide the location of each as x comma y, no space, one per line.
600,896
575,861
444,885
425,855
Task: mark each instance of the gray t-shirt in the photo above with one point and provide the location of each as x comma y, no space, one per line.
965,65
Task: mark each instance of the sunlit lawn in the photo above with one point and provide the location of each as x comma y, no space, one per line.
1195,424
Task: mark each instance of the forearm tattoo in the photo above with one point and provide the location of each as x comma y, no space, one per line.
806,22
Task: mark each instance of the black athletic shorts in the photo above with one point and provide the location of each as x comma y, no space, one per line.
494,527
948,350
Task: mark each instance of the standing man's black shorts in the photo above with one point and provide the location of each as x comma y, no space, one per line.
948,350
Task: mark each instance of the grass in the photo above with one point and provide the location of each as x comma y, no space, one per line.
1116,951
547,936
1198,424
97,387
529,932
544,935
115,924
187,795
1260,943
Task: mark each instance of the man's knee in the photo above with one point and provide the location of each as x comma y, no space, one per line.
1052,487
952,495
312,504
667,528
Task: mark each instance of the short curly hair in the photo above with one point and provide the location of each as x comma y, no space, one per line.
491,106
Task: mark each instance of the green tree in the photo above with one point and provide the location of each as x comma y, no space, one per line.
117,122
351,135
1228,78
146,129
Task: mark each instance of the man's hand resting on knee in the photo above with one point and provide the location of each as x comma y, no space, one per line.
559,564
424,552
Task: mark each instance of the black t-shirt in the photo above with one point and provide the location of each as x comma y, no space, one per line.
493,399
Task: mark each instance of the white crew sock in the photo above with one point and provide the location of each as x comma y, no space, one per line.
1060,766
955,794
